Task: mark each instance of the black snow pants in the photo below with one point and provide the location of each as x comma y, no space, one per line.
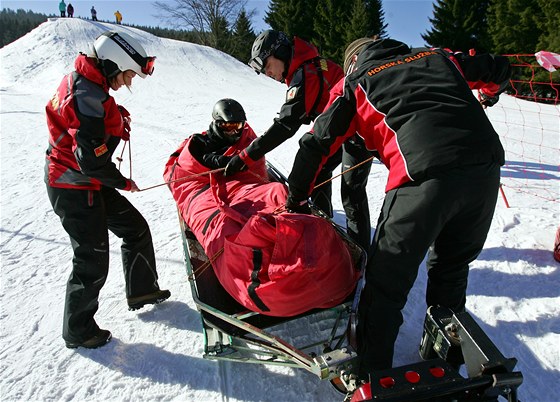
353,190
322,194
447,217
87,216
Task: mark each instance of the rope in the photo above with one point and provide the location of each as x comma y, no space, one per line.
206,265
344,172
264,180
120,158
129,158
182,179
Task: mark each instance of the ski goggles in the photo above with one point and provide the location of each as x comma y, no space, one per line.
146,63
148,67
230,125
258,64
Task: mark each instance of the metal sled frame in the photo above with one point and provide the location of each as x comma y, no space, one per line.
233,333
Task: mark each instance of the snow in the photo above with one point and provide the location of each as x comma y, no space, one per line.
156,353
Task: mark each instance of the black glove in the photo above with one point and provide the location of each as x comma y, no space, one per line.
487,100
235,165
297,207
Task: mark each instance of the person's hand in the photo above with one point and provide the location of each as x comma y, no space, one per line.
487,100
298,207
133,187
235,165
126,123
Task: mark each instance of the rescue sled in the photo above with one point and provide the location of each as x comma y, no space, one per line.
234,333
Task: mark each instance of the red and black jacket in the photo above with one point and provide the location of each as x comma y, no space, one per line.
85,127
309,79
415,107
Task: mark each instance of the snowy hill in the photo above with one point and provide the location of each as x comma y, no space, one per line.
156,352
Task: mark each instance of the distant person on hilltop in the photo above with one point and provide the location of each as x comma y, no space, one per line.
93,13
70,10
85,127
62,8
118,17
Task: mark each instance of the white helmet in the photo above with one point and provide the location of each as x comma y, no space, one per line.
119,51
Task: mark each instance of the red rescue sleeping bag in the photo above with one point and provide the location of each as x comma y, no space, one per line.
278,264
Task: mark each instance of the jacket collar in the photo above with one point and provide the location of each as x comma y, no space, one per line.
303,51
87,67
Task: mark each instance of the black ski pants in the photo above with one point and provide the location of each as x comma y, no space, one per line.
447,217
322,193
87,216
353,190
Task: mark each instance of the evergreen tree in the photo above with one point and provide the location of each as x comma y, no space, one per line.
330,25
242,38
513,26
459,25
549,26
15,24
293,17
220,35
375,17
358,24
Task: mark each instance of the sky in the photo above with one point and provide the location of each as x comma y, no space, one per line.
406,19
156,352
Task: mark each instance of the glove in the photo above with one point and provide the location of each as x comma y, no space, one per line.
126,123
297,207
487,100
235,165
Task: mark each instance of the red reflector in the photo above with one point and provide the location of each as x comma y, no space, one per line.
387,382
437,372
412,377
362,394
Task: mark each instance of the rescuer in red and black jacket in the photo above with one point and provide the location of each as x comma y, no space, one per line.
85,126
416,108
309,78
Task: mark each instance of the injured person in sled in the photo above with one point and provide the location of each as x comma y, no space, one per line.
269,260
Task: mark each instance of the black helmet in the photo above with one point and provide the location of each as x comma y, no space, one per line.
270,43
229,119
228,110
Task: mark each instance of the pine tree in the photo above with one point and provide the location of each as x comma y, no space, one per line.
329,24
293,17
242,38
459,25
15,24
375,15
358,22
513,26
549,25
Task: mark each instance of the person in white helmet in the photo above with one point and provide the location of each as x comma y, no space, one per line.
85,127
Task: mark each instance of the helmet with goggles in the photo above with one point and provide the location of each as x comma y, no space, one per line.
118,51
229,119
270,43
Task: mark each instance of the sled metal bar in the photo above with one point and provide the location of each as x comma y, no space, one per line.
252,360
274,341
326,366
479,352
